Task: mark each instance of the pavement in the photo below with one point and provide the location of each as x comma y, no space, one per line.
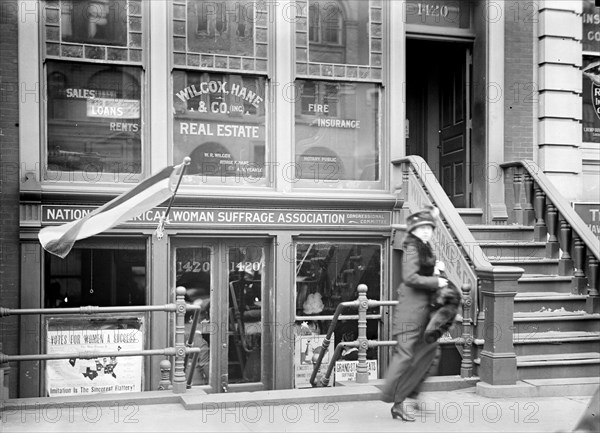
337,409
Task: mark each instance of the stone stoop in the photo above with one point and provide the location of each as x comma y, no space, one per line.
554,337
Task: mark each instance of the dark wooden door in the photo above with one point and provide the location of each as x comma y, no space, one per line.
454,140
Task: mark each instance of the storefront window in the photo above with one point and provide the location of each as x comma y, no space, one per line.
219,122
591,72
100,22
100,273
94,115
337,131
328,273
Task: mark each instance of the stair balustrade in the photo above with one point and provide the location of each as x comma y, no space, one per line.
557,224
493,288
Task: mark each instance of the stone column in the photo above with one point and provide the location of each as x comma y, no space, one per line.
498,358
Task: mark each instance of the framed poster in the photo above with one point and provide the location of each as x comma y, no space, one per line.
99,375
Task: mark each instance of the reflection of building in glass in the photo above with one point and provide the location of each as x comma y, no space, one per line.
221,27
337,30
94,21
337,125
94,118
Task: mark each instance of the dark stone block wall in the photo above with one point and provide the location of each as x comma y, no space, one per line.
9,180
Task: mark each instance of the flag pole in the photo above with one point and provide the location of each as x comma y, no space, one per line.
163,219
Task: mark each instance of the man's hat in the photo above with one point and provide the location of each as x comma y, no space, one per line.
426,216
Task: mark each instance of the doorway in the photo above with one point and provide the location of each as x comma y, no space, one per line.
438,112
230,280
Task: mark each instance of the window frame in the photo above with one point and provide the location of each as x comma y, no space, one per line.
257,66
131,55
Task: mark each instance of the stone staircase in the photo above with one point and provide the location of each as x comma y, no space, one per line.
554,336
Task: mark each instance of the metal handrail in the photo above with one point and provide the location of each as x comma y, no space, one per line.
179,351
363,304
92,309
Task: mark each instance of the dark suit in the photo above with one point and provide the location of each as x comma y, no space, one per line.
413,355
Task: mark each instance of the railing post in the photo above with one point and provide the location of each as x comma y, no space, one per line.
179,382
579,281
498,358
552,246
466,365
539,230
593,299
528,212
165,375
517,183
4,372
362,369
565,264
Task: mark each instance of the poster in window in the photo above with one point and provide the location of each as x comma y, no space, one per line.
591,99
337,131
219,122
101,22
308,347
101,374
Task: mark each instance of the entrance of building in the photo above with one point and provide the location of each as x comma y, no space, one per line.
230,280
438,111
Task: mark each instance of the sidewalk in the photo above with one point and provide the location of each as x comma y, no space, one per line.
275,411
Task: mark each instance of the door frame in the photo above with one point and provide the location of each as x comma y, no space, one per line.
219,307
430,149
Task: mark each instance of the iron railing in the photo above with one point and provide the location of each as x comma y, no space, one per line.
180,351
363,344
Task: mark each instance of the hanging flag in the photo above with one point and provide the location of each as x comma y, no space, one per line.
149,193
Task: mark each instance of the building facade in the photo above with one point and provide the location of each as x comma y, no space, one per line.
292,113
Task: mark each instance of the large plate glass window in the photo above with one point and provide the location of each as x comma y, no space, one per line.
337,131
328,273
219,122
97,272
339,64
94,118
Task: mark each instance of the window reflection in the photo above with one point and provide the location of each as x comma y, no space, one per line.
221,27
97,273
219,121
337,131
94,118
338,31
102,22
329,273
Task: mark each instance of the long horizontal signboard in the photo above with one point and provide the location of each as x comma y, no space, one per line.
191,216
